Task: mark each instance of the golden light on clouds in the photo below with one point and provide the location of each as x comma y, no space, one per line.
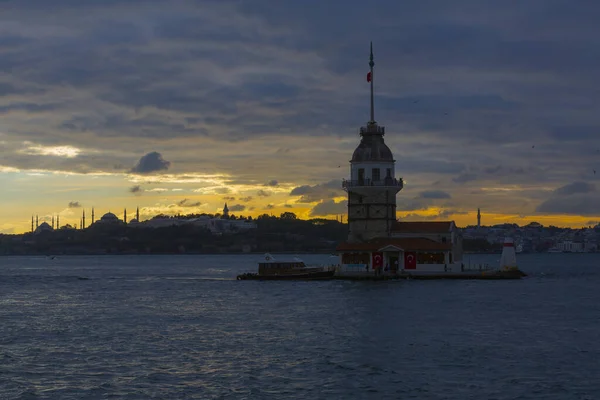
57,151
262,121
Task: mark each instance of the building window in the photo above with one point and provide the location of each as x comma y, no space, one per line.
388,173
376,174
361,176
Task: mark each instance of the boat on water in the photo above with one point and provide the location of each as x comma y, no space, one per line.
279,270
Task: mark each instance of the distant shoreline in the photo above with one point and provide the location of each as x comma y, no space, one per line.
163,254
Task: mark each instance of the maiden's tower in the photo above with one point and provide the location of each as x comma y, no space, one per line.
378,244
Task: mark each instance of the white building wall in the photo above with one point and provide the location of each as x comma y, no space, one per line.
569,246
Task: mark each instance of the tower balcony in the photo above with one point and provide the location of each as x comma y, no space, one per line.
394,183
372,129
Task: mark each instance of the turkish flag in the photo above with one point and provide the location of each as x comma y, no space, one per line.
410,260
368,76
377,260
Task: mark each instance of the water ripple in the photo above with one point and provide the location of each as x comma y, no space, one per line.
181,328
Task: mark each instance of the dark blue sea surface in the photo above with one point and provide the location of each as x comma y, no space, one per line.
182,327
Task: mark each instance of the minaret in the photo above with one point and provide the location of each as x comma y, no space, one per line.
137,214
57,221
125,215
83,219
373,186
53,222
36,222
31,223
92,215
225,211
478,218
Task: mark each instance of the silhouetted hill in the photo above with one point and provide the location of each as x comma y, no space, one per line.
273,234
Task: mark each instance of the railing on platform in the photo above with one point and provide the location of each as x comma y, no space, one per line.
391,182
372,129
477,267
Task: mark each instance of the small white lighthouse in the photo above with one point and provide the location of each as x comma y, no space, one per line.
508,260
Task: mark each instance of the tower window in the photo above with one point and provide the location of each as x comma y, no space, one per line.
361,175
388,173
376,174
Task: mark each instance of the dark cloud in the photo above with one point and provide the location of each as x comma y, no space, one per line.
263,193
465,177
137,190
237,207
414,164
246,199
223,190
407,204
151,162
28,108
573,133
576,204
577,198
272,183
315,193
188,203
229,198
434,194
502,170
269,207
575,187
74,204
329,207
465,88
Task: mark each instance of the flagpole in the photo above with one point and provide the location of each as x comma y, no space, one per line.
371,64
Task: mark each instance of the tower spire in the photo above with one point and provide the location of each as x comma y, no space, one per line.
371,64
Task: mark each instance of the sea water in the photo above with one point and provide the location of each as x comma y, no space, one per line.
182,327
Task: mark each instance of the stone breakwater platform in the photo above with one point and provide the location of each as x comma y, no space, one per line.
482,275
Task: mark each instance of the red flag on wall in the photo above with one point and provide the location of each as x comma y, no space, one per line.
377,260
368,76
410,260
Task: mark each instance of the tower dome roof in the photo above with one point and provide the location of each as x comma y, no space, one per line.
372,148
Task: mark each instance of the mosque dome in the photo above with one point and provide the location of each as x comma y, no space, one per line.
109,217
43,227
372,148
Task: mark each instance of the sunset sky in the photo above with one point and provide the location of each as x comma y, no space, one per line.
181,106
